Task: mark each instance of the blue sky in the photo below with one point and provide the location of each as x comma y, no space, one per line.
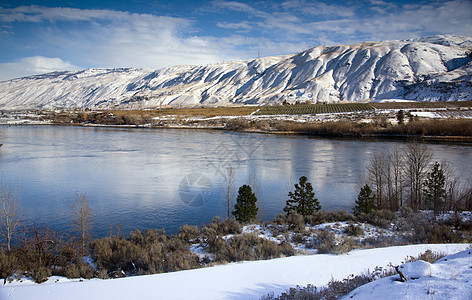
44,36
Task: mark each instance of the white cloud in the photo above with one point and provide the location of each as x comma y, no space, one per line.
380,20
236,6
34,65
318,8
238,26
108,38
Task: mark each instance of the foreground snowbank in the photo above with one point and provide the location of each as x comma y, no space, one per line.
448,278
233,281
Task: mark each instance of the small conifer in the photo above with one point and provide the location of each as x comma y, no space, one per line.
245,209
302,200
365,202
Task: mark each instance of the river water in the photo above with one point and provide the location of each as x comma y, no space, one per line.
164,178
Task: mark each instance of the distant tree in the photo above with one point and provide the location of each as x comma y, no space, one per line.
302,200
365,202
9,214
82,222
435,188
401,116
245,209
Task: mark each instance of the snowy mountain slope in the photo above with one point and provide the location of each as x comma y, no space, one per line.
427,69
246,280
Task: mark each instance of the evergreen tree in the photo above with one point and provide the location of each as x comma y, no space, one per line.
302,200
245,209
401,116
365,202
435,188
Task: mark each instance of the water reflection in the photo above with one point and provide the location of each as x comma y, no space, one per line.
132,176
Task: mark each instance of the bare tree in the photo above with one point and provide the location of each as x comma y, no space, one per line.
453,186
377,169
9,215
82,222
254,184
396,161
418,157
229,188
465,197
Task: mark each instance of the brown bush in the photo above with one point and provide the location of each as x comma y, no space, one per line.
330,216
382,218
295,222
40,274
427,231
354,230
249,246
188,233
8,264
155,252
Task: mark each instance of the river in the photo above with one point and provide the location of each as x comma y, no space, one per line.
164,178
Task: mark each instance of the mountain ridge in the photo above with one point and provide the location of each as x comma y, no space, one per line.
437,68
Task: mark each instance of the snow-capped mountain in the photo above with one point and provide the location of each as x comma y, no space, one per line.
431,69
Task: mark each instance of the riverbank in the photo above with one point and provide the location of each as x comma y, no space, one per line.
381,121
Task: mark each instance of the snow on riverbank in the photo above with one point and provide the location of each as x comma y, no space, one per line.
247,280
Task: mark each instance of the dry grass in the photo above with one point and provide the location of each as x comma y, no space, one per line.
421,104
448,127
190,112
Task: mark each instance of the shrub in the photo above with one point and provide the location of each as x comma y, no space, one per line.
137,237
40,274
212,232
326,241
103,274
238,124
188,233
280,219
425,231
72,271
154,253
8,263
249,246
354,230
428,256
335,289
330,216
295,221
382,218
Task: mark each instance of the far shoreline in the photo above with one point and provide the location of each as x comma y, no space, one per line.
453,139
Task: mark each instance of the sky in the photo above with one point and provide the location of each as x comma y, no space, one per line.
38,37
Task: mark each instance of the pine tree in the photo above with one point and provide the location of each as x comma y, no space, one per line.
245,209
302,200
435,188
365,202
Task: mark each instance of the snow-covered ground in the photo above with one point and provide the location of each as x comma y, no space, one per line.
448,278
251,280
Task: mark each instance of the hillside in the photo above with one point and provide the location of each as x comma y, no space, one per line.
438,68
